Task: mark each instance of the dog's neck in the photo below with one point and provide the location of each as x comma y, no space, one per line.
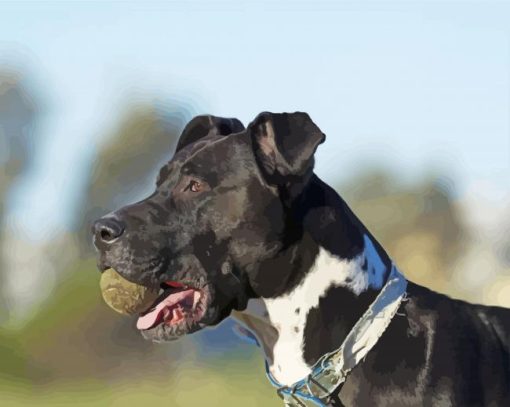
348,269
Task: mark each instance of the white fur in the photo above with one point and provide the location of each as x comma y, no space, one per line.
287,364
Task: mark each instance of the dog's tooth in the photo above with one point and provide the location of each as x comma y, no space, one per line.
196,298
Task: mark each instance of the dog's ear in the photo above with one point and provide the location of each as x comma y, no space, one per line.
205,125
284,144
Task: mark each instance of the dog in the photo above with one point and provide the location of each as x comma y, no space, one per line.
240,225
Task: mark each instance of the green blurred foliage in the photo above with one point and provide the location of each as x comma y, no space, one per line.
231,383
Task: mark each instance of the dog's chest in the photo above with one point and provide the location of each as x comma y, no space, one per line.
288,314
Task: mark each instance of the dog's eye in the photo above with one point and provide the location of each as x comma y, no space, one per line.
194,186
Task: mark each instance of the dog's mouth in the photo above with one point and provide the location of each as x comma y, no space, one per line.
179,308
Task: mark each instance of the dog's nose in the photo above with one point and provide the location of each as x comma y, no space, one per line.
106,230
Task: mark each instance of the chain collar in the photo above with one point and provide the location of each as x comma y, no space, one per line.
331,369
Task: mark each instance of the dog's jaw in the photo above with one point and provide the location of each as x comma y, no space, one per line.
282,324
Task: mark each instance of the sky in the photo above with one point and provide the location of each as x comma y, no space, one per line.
419,87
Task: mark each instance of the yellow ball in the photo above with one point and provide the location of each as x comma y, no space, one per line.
124,296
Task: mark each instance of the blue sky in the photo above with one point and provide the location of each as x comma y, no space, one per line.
416,86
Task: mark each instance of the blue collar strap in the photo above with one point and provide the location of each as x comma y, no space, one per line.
332,369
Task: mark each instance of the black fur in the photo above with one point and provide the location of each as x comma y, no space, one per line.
255,229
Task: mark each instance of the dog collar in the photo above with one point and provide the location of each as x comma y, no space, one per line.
332,368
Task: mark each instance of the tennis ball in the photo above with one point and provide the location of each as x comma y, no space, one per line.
123,296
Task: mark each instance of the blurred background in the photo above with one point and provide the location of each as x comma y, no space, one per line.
414,98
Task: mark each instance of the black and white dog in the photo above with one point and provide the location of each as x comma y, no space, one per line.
239,224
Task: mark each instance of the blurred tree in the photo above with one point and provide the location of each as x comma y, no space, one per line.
419,225
126,166
18,115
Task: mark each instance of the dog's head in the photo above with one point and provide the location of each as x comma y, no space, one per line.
218,217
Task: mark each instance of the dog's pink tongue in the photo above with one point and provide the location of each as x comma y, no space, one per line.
155,315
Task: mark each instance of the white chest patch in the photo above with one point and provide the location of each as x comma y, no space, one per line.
288,314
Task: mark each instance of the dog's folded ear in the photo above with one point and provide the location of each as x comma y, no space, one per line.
205,125
284,144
